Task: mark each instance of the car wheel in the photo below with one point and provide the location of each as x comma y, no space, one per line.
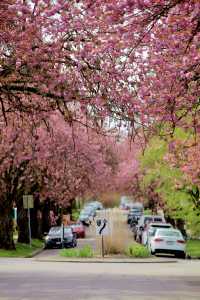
152,252
74,244
181,255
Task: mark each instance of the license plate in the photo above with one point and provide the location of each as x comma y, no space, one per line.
57,243
170,242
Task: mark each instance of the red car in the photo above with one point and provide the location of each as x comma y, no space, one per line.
79,230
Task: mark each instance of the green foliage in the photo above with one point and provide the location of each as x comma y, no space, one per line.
147,212
22,250
75,214
86,251
193,248
137,250
169,182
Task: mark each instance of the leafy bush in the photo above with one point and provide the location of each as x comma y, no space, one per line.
137,250
75,214
193,248
86,251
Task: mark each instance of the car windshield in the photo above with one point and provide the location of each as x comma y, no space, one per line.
170,233
68,230
135,210
55,231
76,225
148,219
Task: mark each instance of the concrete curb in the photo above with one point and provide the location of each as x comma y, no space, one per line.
192,257
107,260
36,252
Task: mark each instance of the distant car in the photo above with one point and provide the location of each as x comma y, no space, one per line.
168,241
86,217
150,230
78,229
53,239
94,206
143,222
134,214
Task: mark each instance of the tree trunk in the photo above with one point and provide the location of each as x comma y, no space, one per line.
22,223
45,216
35,216
6,225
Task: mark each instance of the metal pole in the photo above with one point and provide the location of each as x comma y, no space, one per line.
102,245
29,226
62,235
63,232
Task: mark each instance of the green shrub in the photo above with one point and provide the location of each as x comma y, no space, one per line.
193,248
137,250
86,251
75,214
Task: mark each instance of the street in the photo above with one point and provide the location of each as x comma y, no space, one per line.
30,279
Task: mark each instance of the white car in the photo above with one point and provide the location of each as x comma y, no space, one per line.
167,241
143,223
151,230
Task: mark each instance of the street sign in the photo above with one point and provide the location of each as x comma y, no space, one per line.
102,227
28,201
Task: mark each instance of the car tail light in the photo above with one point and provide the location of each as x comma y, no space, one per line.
181,241
158,240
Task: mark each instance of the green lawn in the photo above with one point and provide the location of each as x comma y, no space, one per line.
193,248
22,250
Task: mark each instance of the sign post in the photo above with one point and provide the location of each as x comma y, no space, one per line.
28,204
62,234
102,229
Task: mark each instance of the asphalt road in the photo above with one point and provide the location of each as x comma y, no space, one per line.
27,279
80,244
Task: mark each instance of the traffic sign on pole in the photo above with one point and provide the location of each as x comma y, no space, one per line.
102,227
28,201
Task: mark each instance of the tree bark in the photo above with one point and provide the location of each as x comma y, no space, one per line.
6,225
45,216
22,223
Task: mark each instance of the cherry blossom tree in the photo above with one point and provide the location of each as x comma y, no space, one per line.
59,162
66,55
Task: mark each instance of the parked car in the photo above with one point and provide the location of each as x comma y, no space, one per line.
94,205
85,218
78,229
168,241
135,212
142,223
150,230
54,240
125,203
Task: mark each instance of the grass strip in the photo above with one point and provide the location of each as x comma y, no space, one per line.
22,250
86,251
